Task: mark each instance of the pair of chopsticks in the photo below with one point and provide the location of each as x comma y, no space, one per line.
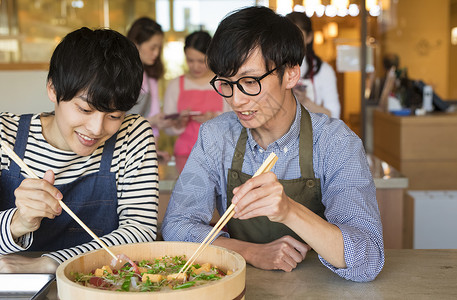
265,167
26,168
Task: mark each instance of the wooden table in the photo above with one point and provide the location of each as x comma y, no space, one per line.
407,274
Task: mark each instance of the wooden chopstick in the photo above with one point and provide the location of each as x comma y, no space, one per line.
266,166
26,168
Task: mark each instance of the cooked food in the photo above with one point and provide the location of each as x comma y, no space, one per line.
150,275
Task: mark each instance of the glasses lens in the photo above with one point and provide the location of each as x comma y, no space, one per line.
223,87
250,85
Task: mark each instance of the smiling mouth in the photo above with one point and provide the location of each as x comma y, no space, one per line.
247,113
85,137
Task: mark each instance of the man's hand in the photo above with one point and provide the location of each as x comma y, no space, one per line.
13,263
283,254
262,195
35,199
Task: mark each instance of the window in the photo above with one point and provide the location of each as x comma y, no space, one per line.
30,29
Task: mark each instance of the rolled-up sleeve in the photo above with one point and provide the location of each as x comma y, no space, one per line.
349,195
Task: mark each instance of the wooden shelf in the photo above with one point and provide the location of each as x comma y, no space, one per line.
24,66
422,148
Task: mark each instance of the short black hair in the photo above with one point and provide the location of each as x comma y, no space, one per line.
101,62
198,40
280,41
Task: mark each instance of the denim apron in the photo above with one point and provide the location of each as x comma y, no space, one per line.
305,190
93,198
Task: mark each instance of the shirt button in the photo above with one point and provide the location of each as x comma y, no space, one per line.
261,150
310,183
285,149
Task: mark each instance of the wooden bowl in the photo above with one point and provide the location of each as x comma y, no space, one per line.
229,287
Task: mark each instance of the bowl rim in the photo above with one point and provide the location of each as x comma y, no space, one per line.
60,272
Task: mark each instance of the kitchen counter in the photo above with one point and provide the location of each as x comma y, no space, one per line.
384,175
420,147
396,210
407,274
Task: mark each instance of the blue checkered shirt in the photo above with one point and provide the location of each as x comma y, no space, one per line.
339,160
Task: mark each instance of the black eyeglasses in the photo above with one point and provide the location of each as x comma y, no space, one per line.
249,85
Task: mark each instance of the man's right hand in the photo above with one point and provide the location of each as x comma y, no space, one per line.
35,200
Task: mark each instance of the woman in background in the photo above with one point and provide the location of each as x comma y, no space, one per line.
192,97
317,89
147,35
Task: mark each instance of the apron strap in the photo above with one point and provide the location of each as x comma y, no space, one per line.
21,141
238,156
306,145
107,155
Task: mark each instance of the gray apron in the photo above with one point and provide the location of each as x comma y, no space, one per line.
305,190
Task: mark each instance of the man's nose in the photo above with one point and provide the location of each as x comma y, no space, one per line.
95,124
238,98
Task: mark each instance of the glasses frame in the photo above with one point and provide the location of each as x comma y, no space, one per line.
237,83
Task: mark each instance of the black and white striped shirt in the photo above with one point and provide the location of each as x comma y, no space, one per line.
134,163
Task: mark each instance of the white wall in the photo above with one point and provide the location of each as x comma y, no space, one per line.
24,92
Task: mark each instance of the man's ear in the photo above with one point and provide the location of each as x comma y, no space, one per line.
51,92
291,76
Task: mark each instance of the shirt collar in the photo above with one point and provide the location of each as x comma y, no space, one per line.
285,142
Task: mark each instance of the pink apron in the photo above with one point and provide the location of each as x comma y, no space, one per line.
195,100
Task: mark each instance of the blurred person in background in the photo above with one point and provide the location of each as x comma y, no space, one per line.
148,36
316,89
191,98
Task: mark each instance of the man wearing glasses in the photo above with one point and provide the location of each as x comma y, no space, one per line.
319,195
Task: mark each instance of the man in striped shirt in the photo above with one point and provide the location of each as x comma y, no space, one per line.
89,154
320,193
